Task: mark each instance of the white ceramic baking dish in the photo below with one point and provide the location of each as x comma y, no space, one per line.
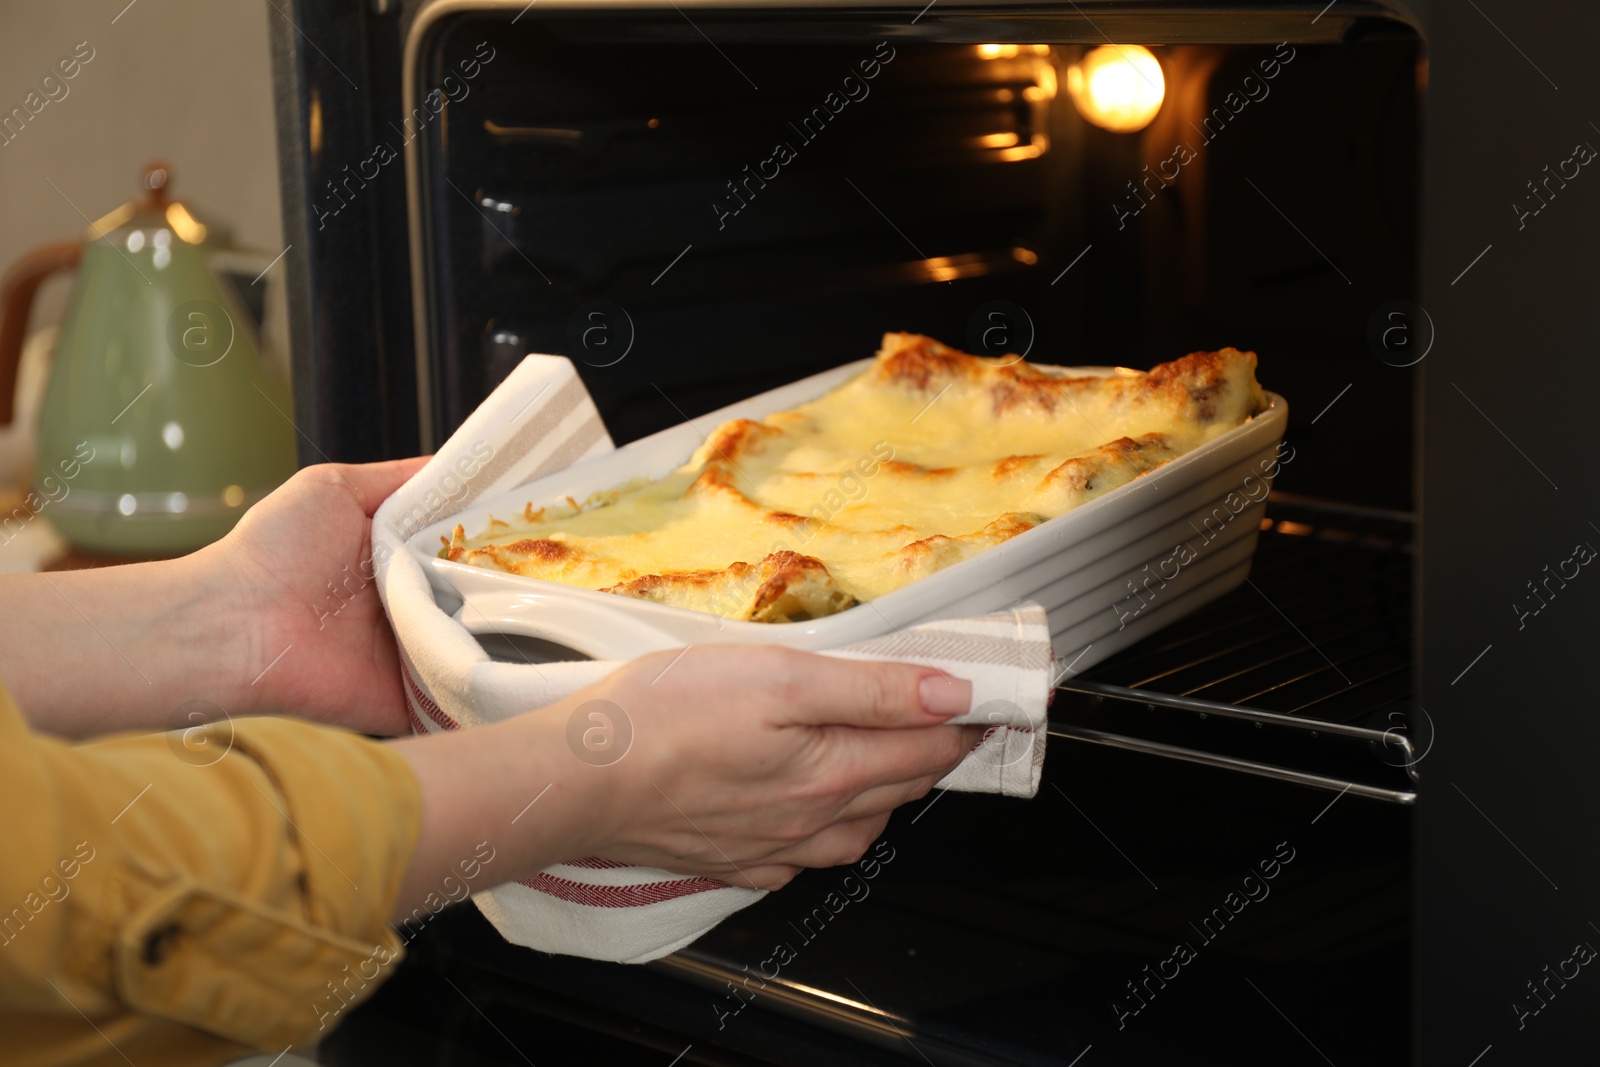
1088,568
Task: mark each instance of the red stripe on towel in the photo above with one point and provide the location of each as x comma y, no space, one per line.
618,896
417,725
994,730
593,863
426,703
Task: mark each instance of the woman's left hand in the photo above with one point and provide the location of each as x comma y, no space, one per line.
280,617
300,562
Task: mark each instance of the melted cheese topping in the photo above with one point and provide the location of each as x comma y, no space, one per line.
924,459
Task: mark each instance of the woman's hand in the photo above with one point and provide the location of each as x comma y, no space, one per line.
300,564
280,616
745,765
752,763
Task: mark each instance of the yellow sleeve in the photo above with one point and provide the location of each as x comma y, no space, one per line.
237,883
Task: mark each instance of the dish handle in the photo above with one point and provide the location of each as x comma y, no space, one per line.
570,622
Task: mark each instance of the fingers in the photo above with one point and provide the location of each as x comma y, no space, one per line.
835,846
883,799
767,876
885,796
814,690
373,483
841,843
879,757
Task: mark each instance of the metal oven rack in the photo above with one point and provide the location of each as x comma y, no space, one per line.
1302,674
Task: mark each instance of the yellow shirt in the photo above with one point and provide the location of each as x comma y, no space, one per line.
160,908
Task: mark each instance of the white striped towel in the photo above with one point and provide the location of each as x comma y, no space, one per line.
540,420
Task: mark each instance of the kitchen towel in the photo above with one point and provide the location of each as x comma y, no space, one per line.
540,420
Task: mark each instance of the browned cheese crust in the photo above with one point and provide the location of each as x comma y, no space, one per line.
925,459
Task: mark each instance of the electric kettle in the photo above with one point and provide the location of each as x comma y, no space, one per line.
164,418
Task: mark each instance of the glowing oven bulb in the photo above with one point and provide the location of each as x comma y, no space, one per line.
1118,87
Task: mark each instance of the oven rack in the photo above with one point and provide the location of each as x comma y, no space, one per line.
1303,674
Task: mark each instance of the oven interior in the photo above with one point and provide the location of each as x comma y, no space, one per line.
611,188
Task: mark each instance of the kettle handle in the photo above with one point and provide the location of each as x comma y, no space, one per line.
17,290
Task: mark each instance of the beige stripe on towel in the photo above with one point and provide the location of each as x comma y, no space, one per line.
530,435
957,648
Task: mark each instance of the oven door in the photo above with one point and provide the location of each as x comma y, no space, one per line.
1124,916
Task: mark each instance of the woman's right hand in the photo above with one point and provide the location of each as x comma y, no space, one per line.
748,764
745,764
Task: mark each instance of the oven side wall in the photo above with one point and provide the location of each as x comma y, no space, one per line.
1507,871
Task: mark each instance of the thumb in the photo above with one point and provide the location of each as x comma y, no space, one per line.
373,483
873,694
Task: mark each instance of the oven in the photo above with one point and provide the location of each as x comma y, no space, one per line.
1385,201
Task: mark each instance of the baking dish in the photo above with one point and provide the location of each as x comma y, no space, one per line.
1108,572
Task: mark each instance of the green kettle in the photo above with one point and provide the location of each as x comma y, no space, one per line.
163,420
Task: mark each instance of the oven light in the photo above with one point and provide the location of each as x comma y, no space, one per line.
1011,51
942,268
1118,87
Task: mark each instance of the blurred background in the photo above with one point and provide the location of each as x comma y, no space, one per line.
187,81
183,81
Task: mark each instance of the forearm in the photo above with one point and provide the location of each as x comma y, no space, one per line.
513,785
121,648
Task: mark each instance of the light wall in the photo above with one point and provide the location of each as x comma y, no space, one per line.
187,81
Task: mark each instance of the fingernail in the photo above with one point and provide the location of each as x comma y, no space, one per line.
944,695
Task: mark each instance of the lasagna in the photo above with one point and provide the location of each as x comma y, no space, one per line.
925,458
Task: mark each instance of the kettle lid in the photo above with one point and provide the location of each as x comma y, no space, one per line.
154,210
